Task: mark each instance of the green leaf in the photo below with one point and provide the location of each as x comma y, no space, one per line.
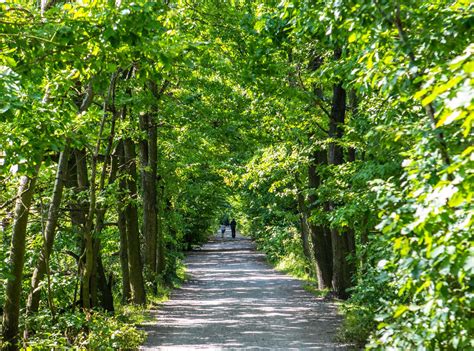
352,38
400,310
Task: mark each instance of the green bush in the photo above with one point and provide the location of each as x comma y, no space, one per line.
95,331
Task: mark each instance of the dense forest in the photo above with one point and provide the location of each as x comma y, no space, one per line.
337,132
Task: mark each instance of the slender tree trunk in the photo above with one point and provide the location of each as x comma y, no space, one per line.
80,217
88,253
76,212
82,185
87,270
50,232
160,255
100,289
133,237
351,157
11,308
320,234
122,225
96,213
94,280
342,241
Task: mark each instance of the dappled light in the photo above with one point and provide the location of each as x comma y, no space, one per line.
138,137
234,299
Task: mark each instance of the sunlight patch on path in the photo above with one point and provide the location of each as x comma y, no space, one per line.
234,300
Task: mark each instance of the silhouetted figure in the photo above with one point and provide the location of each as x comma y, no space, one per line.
233,224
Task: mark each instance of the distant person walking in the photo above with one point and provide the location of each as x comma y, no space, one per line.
222,231
233,224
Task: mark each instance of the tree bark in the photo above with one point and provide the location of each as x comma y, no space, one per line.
342,241
122,225
101,293
320,234
50,232
148,177
153,164
133,237
105,296
11,308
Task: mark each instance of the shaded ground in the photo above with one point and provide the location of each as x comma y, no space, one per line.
234,300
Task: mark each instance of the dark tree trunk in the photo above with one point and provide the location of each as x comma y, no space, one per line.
148,176
122,225
100,289
87,212
152,134
320,234
105,298
133,237
342,241
11,308
76,210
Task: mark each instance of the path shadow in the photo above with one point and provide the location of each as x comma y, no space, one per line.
233,299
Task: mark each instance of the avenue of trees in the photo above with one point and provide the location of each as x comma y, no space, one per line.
337,132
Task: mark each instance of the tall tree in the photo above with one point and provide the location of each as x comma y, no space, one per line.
11,308
320,233
49,232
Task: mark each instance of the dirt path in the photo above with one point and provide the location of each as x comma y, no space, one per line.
235,300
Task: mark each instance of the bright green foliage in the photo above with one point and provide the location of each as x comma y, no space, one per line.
431,228
410,64
92,332
244,105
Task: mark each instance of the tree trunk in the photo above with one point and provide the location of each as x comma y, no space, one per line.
50,232
341,240
80,183
133,236
148,178
11,309
105,296
87,249
122,225
153,164
101,293
320,234
95,215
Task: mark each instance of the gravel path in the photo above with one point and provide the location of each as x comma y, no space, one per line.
234,300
